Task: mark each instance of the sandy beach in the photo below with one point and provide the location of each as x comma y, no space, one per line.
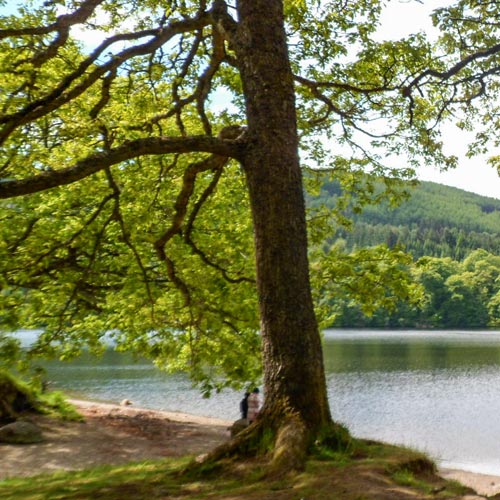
85,407
483,484
116,434
111,434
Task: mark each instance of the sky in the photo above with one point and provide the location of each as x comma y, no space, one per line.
400,18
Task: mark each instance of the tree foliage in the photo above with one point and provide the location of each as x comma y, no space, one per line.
126,249
448,294
123,130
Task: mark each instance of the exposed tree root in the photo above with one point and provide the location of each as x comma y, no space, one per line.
286,444
291,447
252,441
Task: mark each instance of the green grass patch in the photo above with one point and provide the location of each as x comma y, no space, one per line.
18,397
55,403
148,480
406,477
371,473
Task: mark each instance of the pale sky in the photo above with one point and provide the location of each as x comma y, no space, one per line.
400,18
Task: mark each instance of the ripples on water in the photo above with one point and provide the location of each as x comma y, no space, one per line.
434,391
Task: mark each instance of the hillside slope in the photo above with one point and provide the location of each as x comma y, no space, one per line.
436,220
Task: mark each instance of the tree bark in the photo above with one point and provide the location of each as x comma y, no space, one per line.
294,378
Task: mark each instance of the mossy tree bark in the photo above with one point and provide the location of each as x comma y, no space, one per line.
293,360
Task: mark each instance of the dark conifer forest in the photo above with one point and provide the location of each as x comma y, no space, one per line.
435,221
453,237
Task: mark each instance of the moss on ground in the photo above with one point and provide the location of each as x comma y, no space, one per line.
369,471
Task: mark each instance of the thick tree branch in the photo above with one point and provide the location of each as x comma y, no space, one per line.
316,85
215,163
179,102
180,206
455,69
479,78
226,25
205,81
10,188
63,22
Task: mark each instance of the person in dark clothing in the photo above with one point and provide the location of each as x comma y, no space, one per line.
244,406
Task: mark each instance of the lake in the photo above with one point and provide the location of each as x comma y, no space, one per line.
435,391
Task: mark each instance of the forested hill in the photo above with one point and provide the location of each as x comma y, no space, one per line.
437,220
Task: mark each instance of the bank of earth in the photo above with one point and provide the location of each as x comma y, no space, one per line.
111,436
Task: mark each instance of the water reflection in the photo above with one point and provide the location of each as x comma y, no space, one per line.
410,350
117,376
435,391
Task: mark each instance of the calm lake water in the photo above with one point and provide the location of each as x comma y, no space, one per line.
435,391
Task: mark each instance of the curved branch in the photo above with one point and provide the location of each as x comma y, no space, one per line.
117,213
176,85
188,183
187,233
63,93
455,69
68,241
215,163
201,91
65,311
350,115
205,81
316,85
62,24
10,188
226,25
180,206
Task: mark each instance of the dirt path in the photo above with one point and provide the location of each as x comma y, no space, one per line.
111,434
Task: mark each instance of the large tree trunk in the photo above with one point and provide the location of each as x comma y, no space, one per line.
292,353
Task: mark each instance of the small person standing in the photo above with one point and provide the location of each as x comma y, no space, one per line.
244,406
253,405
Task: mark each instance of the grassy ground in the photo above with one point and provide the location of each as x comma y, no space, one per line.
369,471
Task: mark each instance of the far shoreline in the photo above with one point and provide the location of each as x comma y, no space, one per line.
483,484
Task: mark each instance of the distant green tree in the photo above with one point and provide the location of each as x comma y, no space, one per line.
432,273
456,295
494,311
465,307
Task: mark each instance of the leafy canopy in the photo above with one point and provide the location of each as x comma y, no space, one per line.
124,209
